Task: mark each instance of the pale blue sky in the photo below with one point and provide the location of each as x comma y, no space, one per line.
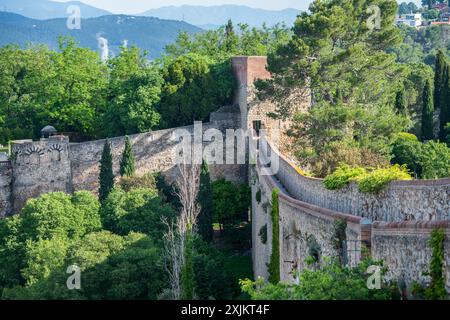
138,6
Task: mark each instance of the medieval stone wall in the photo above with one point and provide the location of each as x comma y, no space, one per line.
400,201
402,245
55,164
154,152
39,167
301,225
404,248
5,188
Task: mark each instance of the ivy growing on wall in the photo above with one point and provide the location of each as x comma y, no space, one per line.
314,251
274,264
263,234
436,290
258,196
338,240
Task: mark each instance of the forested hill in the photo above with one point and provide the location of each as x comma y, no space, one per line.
45,9
148,33
212,17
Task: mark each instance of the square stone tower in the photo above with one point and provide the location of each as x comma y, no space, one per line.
254,113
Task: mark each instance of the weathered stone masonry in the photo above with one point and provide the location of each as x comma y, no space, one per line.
394,225
389,231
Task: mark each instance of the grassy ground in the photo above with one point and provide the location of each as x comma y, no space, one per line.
236,246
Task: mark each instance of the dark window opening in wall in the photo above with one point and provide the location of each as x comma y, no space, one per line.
257,125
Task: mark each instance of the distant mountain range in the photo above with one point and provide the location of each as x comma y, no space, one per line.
214,16
148,33
44,9
201,16
42,21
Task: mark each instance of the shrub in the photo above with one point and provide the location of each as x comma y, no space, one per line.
331,282
378,179
435,160
406,150
146,181
231,203
368,181
430,160
139,210
342,177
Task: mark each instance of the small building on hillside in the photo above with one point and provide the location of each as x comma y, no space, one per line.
413,20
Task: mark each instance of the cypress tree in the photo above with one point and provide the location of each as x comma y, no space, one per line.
106,177
444,115
127,165
427,113
401,105
187,279
439,74
205,218
274,263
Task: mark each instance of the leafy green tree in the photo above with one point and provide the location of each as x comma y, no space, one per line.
444,116
78,87
112,267
33,243
231,203
115,267
332,51
406,8
435,160
331,282
187,276
205,200
221,44
193,88
439,77
134,93
209,284
59,214
139,210
231,39
106,177
406,150
127,164
427,113
430,160
401,104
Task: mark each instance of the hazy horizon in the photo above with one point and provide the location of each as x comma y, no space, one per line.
139,6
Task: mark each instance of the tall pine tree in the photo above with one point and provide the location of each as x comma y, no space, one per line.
127,164
439,77
205,199
106,177
401,105
444,115
427,113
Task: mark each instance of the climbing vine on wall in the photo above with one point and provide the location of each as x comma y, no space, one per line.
339,237
274,264
436,289
258,196
263,234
